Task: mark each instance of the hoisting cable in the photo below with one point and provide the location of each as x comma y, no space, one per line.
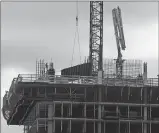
76,32
73,49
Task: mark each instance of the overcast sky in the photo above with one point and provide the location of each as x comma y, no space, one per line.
46,30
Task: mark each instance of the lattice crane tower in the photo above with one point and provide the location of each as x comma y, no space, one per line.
96,37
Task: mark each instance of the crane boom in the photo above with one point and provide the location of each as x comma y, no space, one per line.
118,28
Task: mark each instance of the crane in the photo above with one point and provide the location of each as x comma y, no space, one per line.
96,37
118,27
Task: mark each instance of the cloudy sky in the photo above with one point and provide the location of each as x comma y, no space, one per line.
46,30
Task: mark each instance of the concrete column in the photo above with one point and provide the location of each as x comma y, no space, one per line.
62,116
145,73
94,118
100,77
145,109
84,124
50,116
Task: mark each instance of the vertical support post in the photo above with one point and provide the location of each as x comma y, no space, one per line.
69,127
145,73
70,115
150,118
53,126
36,68
70,93
40,68
145,110
85,94
61,116
54,107
100,78
118,115
104,127
121,94
94,109
128,110
119,126
50,115
141,108
37,110
84,124
84,127
150,108
106,93
45,110
24,128
129,128
85,108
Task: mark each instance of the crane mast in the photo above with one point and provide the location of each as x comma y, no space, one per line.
118,28
96,37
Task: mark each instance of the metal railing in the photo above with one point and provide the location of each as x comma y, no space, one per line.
64,79
61,79
57,79
123,82
152,82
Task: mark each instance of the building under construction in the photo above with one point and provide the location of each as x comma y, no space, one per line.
99,96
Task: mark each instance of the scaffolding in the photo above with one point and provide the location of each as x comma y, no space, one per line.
131,68
40,68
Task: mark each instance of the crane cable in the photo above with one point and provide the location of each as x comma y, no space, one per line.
76,32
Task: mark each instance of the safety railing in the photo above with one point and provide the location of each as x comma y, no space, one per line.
123,82
65,79
56,78
152,82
